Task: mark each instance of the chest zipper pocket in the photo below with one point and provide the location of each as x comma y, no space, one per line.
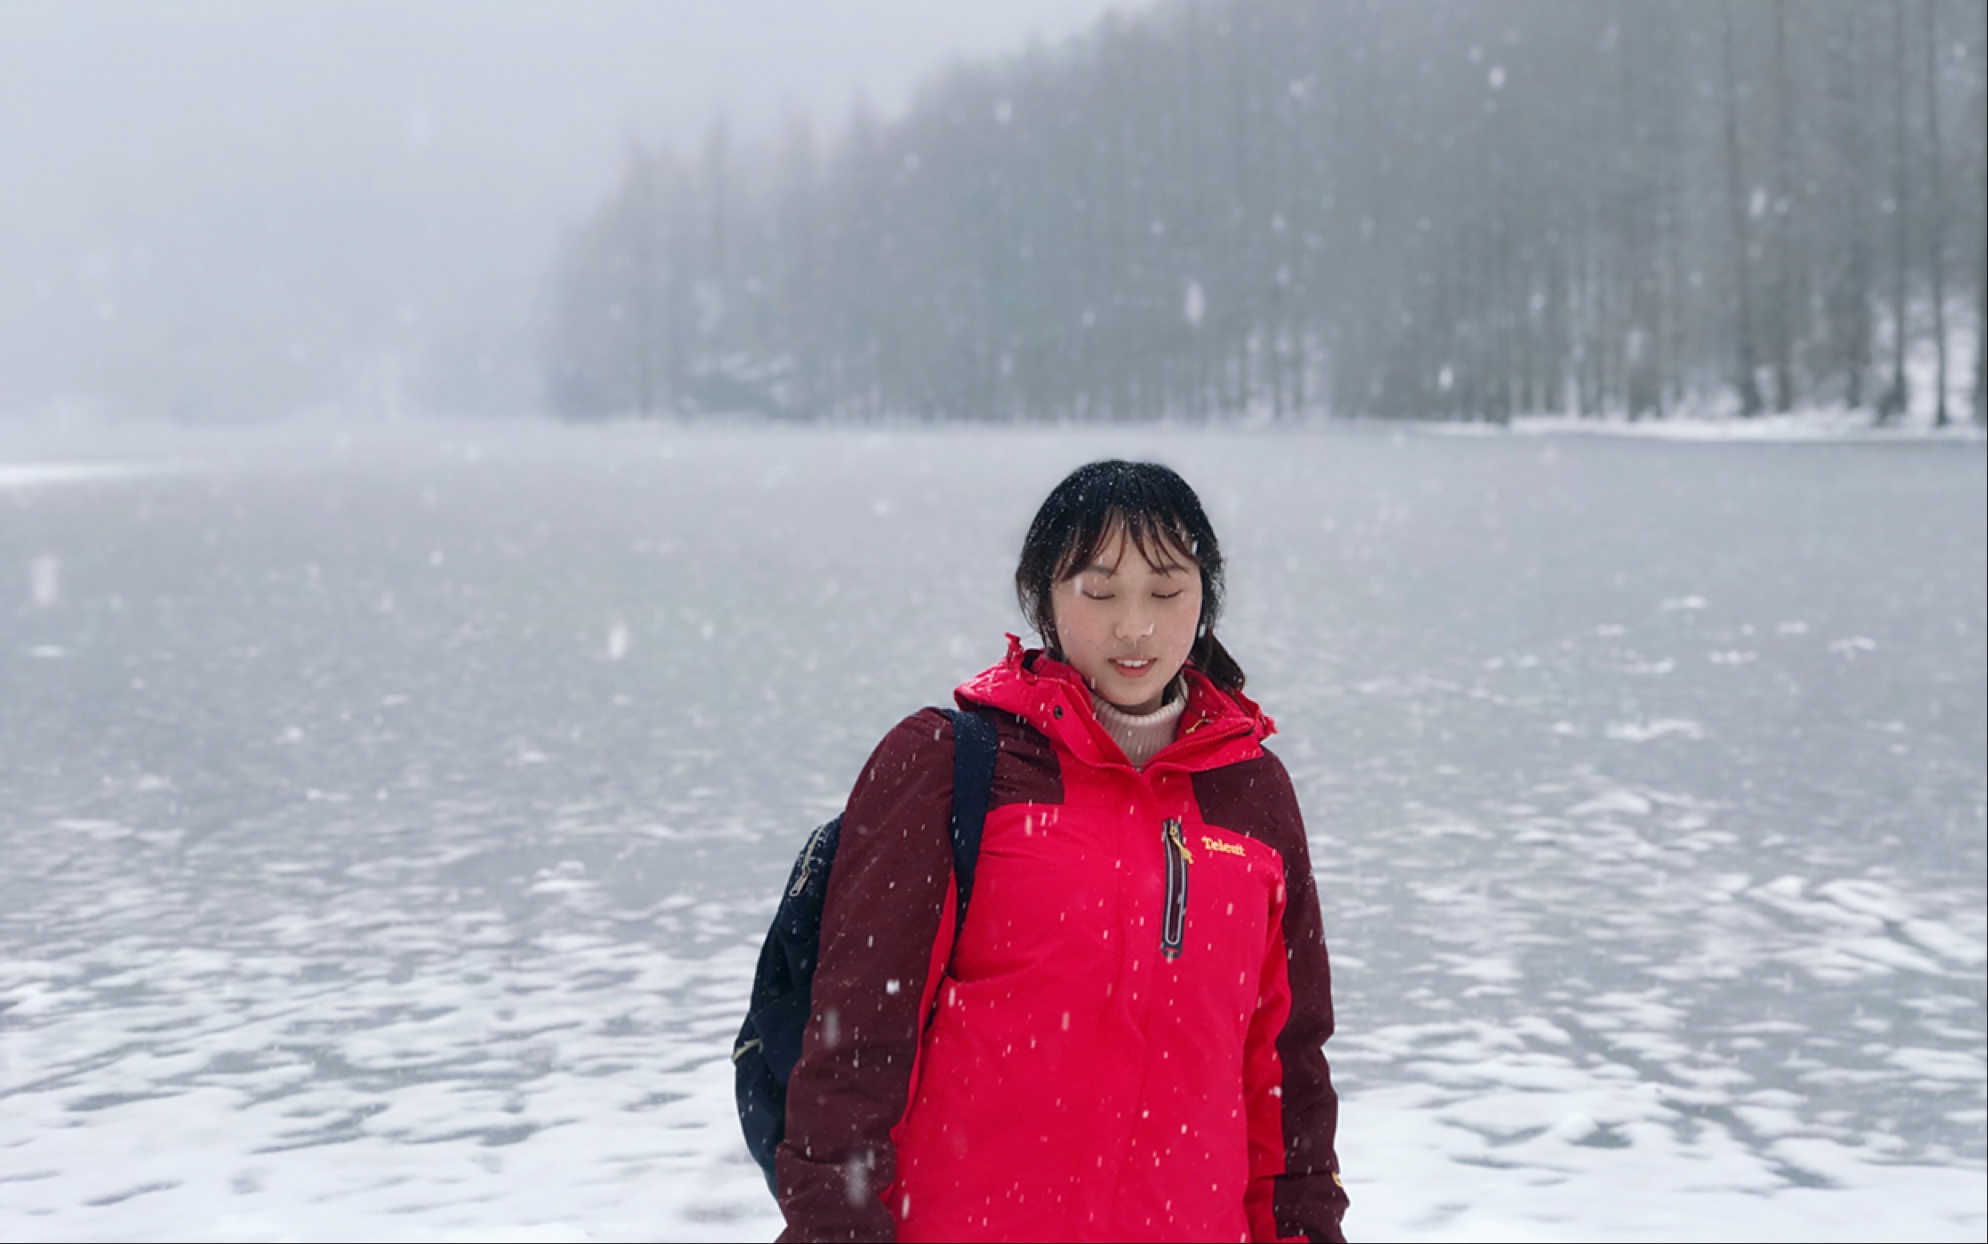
1173,923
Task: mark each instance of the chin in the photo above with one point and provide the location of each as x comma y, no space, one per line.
1136,702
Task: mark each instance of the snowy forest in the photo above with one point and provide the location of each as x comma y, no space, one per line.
1282,208
478,478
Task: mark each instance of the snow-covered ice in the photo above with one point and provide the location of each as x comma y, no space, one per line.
21,475
390,817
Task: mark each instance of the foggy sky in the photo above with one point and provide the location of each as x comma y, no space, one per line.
224,210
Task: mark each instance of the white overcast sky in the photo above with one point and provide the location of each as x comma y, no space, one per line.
293,171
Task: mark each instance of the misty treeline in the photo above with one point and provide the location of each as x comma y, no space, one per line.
1448,208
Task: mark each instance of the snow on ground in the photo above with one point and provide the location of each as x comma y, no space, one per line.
1823,425
33,474
1814,425
390,821
1718,419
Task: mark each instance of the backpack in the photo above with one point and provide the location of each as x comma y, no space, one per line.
769,1042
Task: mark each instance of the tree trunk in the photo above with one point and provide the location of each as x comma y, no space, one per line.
1897,396
1782,218
1642,354
1850,301
1981,337
1749,384
1936,242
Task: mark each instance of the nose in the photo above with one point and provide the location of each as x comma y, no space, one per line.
1134,624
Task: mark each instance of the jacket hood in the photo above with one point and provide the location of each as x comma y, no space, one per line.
1217,728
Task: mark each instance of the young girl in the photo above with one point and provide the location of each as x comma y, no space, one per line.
1123,1040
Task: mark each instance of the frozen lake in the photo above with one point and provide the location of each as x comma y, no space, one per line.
390,820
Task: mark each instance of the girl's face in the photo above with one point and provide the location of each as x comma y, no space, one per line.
1127,625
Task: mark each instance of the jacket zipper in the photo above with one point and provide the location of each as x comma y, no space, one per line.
1173,924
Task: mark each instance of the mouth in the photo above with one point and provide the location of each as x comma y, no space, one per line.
1132,668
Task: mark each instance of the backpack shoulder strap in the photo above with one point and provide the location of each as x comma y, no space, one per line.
975,746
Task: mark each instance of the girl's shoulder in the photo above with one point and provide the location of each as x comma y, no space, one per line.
1254,796
926,740
911,753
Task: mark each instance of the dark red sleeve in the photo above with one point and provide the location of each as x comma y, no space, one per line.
887,892
1308,1202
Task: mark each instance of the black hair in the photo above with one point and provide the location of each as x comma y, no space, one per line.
1162,518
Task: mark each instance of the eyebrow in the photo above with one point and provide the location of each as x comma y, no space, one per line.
1111,572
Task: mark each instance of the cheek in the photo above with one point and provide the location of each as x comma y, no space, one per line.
1184,630
1085,625
1190,618
1071,619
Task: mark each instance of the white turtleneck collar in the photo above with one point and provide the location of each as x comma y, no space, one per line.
1142,735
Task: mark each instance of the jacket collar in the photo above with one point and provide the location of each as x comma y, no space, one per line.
1218,727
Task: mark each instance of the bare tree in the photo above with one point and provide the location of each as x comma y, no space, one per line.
1898,396
1936,259
1781,300
1740,207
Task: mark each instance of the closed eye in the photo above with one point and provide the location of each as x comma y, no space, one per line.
1168,595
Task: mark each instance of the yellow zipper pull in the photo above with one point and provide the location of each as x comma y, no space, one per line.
1179,841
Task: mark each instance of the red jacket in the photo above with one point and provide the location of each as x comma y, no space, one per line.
1125,1041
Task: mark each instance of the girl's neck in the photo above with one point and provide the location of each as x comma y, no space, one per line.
1141,735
